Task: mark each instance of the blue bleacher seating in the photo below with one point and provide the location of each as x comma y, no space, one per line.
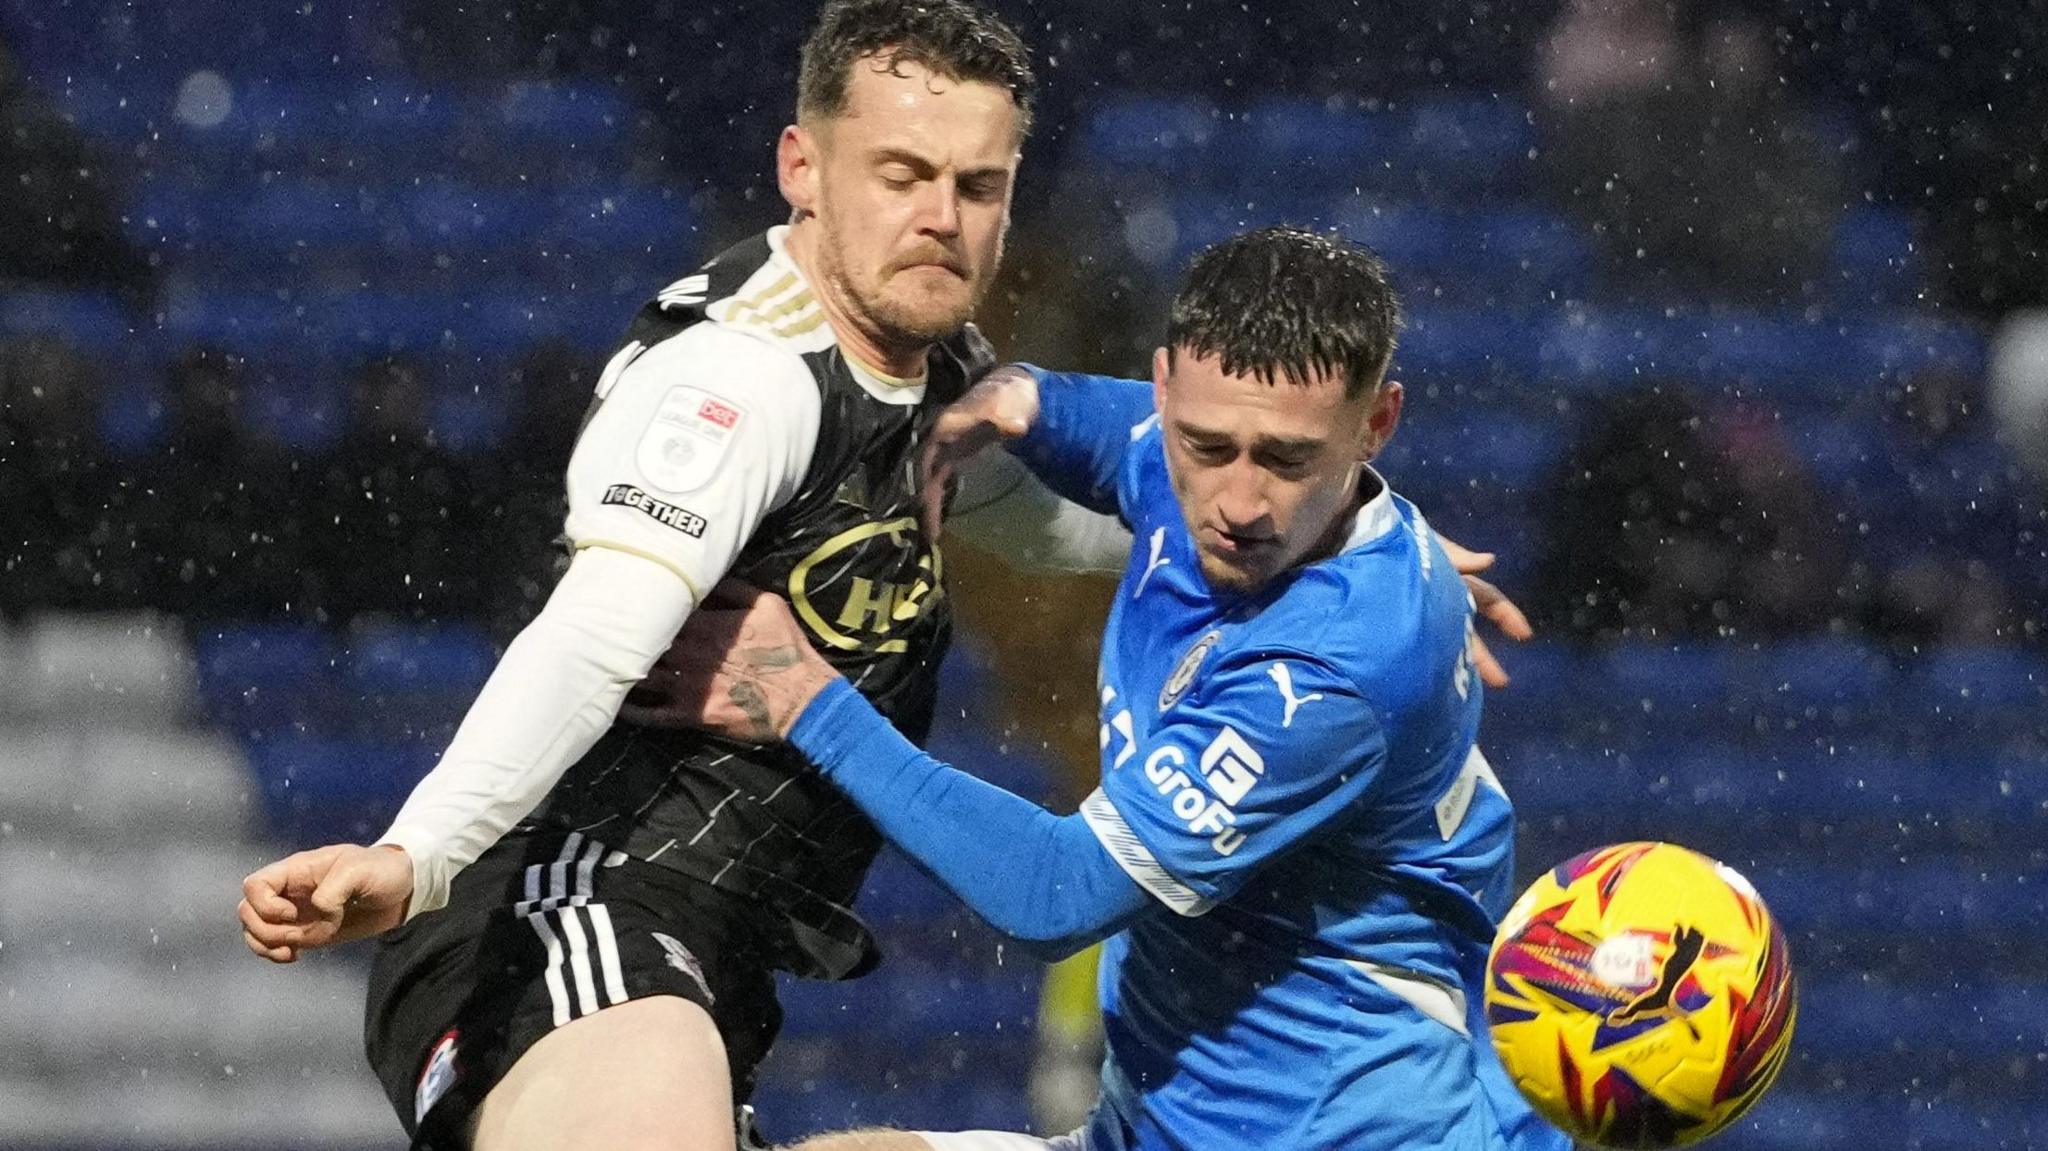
260,680
1986,678
1466,345
316,790
1154,134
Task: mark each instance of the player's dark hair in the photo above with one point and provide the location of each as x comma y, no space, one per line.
952,38
1289,302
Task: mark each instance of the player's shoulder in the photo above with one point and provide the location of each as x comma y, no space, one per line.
1387,606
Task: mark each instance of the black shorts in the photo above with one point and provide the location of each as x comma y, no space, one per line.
539,931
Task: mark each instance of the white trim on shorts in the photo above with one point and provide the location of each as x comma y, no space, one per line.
1004,1141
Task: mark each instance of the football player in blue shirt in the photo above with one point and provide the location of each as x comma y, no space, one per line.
1298,852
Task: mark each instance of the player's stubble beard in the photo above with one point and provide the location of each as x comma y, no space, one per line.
900,324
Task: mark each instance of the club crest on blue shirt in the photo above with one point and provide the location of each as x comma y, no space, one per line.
1184,673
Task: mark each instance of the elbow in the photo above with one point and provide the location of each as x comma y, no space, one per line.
1050,941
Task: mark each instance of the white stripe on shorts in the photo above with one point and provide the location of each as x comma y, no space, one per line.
1004,1141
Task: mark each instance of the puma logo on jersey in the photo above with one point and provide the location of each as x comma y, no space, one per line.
1284,679
1155,563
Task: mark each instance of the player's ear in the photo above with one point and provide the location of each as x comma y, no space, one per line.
796,168
1384,417
1162,363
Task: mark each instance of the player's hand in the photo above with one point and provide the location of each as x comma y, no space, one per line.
1001,407
1493,604
741,668
329,895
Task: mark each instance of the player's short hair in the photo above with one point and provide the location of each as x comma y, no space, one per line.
1289,302
952,38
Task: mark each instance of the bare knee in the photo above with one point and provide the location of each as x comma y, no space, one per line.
649,1075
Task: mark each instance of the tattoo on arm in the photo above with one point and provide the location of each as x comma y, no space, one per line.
771,658
748,698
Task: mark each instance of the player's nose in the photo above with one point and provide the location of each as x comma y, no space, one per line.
941,208
1241,502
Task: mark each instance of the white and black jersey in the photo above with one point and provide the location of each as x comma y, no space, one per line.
731,436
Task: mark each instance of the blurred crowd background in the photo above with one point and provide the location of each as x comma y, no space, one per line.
1728,330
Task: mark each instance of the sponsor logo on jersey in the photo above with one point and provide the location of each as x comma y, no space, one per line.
1228,767
687,439
724,415
662,512
872,608
1184,673
439,1075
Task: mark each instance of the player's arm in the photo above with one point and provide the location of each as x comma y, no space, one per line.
1005,510
696,441
1071,430
1041,879
1182,820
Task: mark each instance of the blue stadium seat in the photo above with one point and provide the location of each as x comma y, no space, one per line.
1308,146
412,682
1907,342
1877,258
261,681
1788,359
1549,678
1473,141
326,790
1152,134
564,113
1986,679
1465,346
1668,687
1910,899
1497,457
92,320
400,659
1824,671
912,999
1842,1019
1859,1116
1603,351
1522,254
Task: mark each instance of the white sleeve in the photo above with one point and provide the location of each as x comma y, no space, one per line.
547,702
697,439
1005,509
695,442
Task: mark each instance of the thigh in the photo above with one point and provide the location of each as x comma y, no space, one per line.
535,966
646,1075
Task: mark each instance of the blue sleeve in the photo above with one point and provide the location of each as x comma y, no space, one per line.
1038,878
1076,446
1268,750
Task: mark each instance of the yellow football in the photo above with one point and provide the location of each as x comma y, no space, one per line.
1641,995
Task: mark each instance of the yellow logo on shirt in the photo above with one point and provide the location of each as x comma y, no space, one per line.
872,608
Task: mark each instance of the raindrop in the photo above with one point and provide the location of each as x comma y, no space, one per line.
204,100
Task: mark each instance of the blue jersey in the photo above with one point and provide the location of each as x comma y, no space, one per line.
1295,774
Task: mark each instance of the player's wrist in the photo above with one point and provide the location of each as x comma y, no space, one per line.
811,681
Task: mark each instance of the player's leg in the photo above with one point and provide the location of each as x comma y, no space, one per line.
648,1075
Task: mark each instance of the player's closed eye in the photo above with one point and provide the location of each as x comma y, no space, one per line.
1287,467
982,191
